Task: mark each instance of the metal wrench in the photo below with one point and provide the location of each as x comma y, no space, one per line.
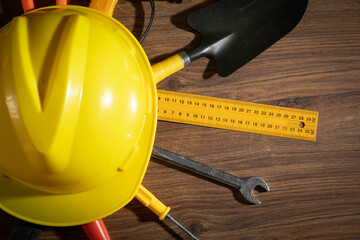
244,185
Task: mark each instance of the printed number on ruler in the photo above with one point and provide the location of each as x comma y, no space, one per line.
237,115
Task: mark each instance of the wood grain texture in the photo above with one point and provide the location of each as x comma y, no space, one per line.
315,187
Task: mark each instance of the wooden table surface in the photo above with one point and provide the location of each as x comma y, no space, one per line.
315,186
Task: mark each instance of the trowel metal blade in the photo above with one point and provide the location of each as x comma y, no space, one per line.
236,31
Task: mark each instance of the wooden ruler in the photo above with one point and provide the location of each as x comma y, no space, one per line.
237,115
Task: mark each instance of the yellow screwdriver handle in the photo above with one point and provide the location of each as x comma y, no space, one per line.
105,6
151,202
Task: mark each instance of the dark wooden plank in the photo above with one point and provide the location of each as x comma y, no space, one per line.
315,187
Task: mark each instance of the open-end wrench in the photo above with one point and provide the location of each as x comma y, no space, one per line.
244,185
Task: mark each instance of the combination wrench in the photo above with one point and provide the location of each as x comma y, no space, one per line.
244,185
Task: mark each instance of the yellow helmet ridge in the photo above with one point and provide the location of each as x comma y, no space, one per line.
77,115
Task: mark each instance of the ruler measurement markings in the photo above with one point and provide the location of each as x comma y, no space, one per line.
246,123
286,117
236,115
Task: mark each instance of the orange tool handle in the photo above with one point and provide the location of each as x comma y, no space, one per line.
29,4
61,2
96,230
105,6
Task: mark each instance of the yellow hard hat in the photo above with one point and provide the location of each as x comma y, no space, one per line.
77,116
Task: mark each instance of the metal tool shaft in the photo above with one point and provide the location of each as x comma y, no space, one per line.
182,228
244,185
198,168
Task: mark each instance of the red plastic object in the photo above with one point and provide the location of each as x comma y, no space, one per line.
96,230
27,5
61,2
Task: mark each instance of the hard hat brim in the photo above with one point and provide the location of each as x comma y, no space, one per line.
73,209
29,204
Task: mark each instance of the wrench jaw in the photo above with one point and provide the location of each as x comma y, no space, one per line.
250,185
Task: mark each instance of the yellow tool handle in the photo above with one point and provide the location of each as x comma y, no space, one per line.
167,67
151,202
105,6
157,207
